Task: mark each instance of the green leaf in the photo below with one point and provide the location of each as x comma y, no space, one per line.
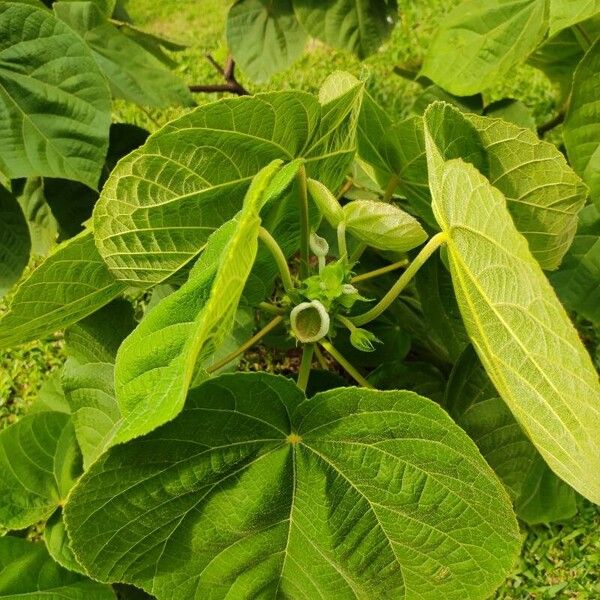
70,284
513,111
440,310
58,545
156,363
54,102
539,496
15,243
358,26
542,192
577,282
98,337
434,93
43,227
557,58
51,396
39,462
565,13
529,348
253,491
264,36
89,373
480,42
132,72
27,571
581,129
383,226
162,202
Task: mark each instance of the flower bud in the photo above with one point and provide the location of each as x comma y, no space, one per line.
326,202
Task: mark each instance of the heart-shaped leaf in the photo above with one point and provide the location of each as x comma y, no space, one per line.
253,490
529,348
15,243
539,495
70,284
264,37
162,202
54,101
27,571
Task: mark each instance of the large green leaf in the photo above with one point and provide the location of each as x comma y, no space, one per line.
43,227
538,494
27,571
359,26
264,36
529,348
72,283
542,192
252,492
15,242
156,363
89,373
440,309
577,282
565,13
480,42
162,202
581,130
39,461
54,102
132,72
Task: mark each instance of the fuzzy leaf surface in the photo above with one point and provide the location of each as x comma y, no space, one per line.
54,101
132,72
157,362
522,334
254,491
39,462
15,242
480,42
70,284
539,496
581,130
264,37
162,202
28,571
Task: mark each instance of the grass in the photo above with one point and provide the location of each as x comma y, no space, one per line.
558,561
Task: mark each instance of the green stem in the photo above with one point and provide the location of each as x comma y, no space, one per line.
432,245
341,240
246,345
346,322
391,188
345,364
270,308
277,253
358,252
304,222
381,271
322,362
582,37
305,365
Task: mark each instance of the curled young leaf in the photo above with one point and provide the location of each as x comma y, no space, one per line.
326,202
383,226
156,364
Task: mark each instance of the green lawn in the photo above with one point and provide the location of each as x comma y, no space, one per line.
558,561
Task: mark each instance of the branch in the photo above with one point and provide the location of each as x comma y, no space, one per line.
552,123
231,84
